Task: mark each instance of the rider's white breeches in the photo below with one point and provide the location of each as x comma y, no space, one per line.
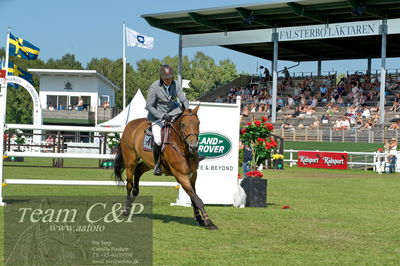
156,129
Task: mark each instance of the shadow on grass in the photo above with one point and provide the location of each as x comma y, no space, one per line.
164,218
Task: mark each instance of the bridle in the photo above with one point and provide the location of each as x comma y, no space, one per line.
182,136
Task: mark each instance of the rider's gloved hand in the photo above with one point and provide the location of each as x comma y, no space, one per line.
167,118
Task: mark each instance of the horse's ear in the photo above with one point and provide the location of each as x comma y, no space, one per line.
196,109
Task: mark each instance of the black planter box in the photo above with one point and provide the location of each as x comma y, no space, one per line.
256,191
278,164
14,159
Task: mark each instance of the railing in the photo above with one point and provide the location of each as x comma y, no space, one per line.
376,135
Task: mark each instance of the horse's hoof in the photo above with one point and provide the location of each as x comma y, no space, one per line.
212,227
126,212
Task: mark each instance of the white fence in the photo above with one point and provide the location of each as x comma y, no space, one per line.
67,155
376,135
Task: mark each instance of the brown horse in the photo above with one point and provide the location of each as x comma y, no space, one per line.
180,158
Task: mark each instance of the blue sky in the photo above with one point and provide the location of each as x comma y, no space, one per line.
89,28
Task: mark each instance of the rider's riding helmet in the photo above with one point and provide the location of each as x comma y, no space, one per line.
166,72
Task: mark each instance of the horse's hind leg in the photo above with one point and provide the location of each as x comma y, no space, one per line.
133,175
129,188
139,170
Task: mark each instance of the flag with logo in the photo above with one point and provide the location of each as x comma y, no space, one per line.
134,38
22,48
14,70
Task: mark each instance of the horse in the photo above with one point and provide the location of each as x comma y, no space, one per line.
179,158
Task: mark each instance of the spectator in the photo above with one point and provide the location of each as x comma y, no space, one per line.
80,104
366,113
396,103
395,125
392,155
219,100
290,103
325,119
106,104
315,124
287,126
323,90
267,75
51,107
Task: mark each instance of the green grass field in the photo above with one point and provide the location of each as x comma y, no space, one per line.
342,217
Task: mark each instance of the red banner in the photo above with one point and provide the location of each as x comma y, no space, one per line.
316,159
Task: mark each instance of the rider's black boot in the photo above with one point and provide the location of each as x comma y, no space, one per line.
157,161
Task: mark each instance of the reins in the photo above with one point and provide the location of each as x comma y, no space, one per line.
182,137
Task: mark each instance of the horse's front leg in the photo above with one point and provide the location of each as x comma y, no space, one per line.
196,210
185,182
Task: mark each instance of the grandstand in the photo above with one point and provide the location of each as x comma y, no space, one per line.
304,126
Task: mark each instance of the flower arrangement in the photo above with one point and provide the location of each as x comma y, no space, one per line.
257,135
277,156
240,176
113,140
5,157
19,137
256,174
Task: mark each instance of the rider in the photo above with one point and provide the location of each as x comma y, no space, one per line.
162,107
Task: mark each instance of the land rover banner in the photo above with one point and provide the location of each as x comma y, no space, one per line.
316,159
219,145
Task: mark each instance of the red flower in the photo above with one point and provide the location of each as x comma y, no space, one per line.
243,131
258,123
285,207
264,119
249,123
269,126
239,176
256,174
268,146
260,140
380,150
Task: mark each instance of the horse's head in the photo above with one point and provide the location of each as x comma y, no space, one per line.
189,124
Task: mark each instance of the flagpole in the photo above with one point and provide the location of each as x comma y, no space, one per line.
3,101
124,66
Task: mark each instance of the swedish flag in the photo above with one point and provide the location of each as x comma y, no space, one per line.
14,70
22,48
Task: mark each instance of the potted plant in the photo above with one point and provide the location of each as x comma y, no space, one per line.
20,140
255,188
278,161
257,136
112,143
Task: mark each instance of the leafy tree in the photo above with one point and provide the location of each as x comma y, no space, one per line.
202,70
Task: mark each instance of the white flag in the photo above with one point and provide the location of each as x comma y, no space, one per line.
134,38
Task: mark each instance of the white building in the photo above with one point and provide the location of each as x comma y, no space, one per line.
62,88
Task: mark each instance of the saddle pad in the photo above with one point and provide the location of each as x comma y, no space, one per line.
148,141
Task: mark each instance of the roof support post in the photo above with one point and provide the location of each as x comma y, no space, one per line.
383,30
180,60
369,65
275,38
319,66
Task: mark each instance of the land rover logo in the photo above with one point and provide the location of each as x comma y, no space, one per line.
213,145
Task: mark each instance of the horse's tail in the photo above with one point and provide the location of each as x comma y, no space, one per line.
119,165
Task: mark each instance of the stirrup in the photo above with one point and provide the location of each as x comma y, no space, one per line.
157,170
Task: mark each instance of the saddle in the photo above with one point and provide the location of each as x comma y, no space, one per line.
148,140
